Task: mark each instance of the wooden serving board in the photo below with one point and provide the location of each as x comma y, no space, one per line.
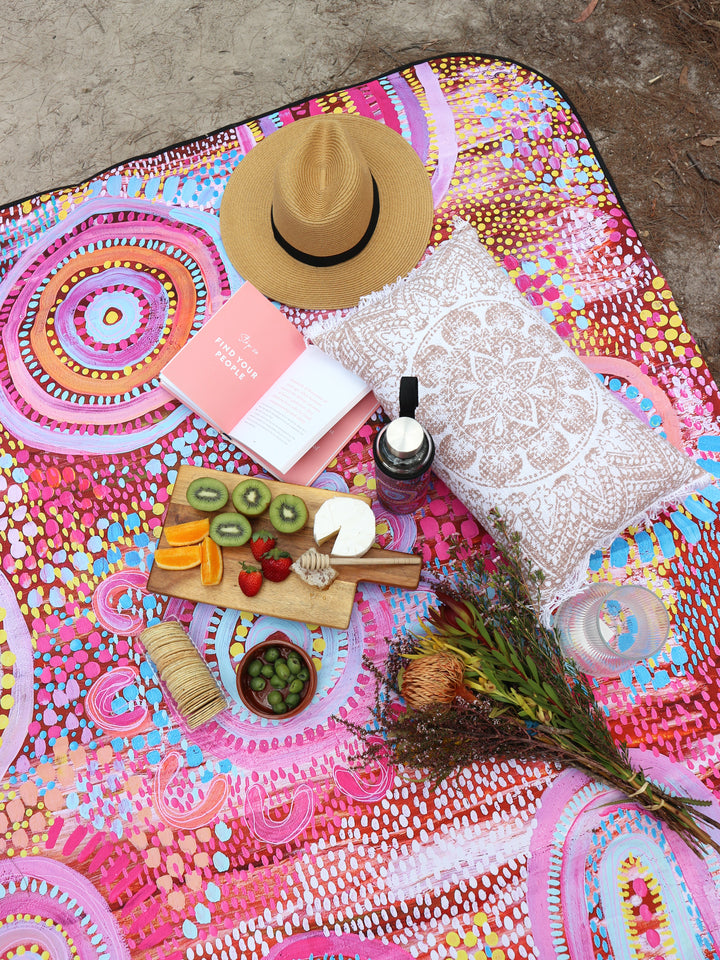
293,599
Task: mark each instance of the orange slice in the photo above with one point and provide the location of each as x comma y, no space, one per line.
211,568
183,534
179,558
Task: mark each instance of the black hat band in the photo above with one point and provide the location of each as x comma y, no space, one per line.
331,261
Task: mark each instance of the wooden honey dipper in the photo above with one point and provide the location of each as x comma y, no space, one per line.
313,560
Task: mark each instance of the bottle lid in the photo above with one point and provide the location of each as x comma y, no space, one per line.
404,437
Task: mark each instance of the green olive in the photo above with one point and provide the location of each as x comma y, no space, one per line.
274,697
271,654
258,683
294,665
267,670
279,708
304,674
282,669
296,685
254,668
292,700
277,682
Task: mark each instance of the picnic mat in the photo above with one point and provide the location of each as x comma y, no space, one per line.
123,834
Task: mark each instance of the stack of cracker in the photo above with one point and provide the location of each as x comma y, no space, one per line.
184,672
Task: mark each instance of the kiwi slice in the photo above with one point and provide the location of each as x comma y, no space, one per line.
288,513
251,497
230,529
207,493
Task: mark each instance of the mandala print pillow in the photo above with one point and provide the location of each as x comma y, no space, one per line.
521,426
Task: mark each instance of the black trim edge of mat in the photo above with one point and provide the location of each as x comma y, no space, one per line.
407,66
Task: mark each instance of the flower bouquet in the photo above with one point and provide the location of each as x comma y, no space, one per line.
483,678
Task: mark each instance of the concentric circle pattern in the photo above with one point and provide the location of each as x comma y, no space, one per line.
125,834
90,315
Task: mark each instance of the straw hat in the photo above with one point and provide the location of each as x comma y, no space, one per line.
326,210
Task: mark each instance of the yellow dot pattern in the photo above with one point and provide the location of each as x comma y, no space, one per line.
7,676
477,943
35,950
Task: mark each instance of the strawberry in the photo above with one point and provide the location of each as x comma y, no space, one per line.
276,564
250,579
261,542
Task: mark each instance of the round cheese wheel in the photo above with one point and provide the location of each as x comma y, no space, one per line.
352,520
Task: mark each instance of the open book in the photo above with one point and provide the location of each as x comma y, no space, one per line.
249,373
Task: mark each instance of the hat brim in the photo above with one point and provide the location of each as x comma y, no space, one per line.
397,243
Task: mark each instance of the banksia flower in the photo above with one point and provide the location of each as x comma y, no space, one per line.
433,679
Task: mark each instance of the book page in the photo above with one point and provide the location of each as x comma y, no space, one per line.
303,403
311,464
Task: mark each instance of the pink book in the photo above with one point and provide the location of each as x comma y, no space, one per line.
249,373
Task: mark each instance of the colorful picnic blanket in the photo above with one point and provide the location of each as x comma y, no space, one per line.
122,833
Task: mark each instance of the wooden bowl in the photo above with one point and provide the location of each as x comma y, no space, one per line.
257,700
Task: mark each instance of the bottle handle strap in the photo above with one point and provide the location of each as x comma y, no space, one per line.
408,396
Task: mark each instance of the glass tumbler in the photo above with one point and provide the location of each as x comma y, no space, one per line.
608,628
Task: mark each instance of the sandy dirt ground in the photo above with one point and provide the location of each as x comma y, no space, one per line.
85,85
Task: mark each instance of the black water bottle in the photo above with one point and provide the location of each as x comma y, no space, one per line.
403,452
